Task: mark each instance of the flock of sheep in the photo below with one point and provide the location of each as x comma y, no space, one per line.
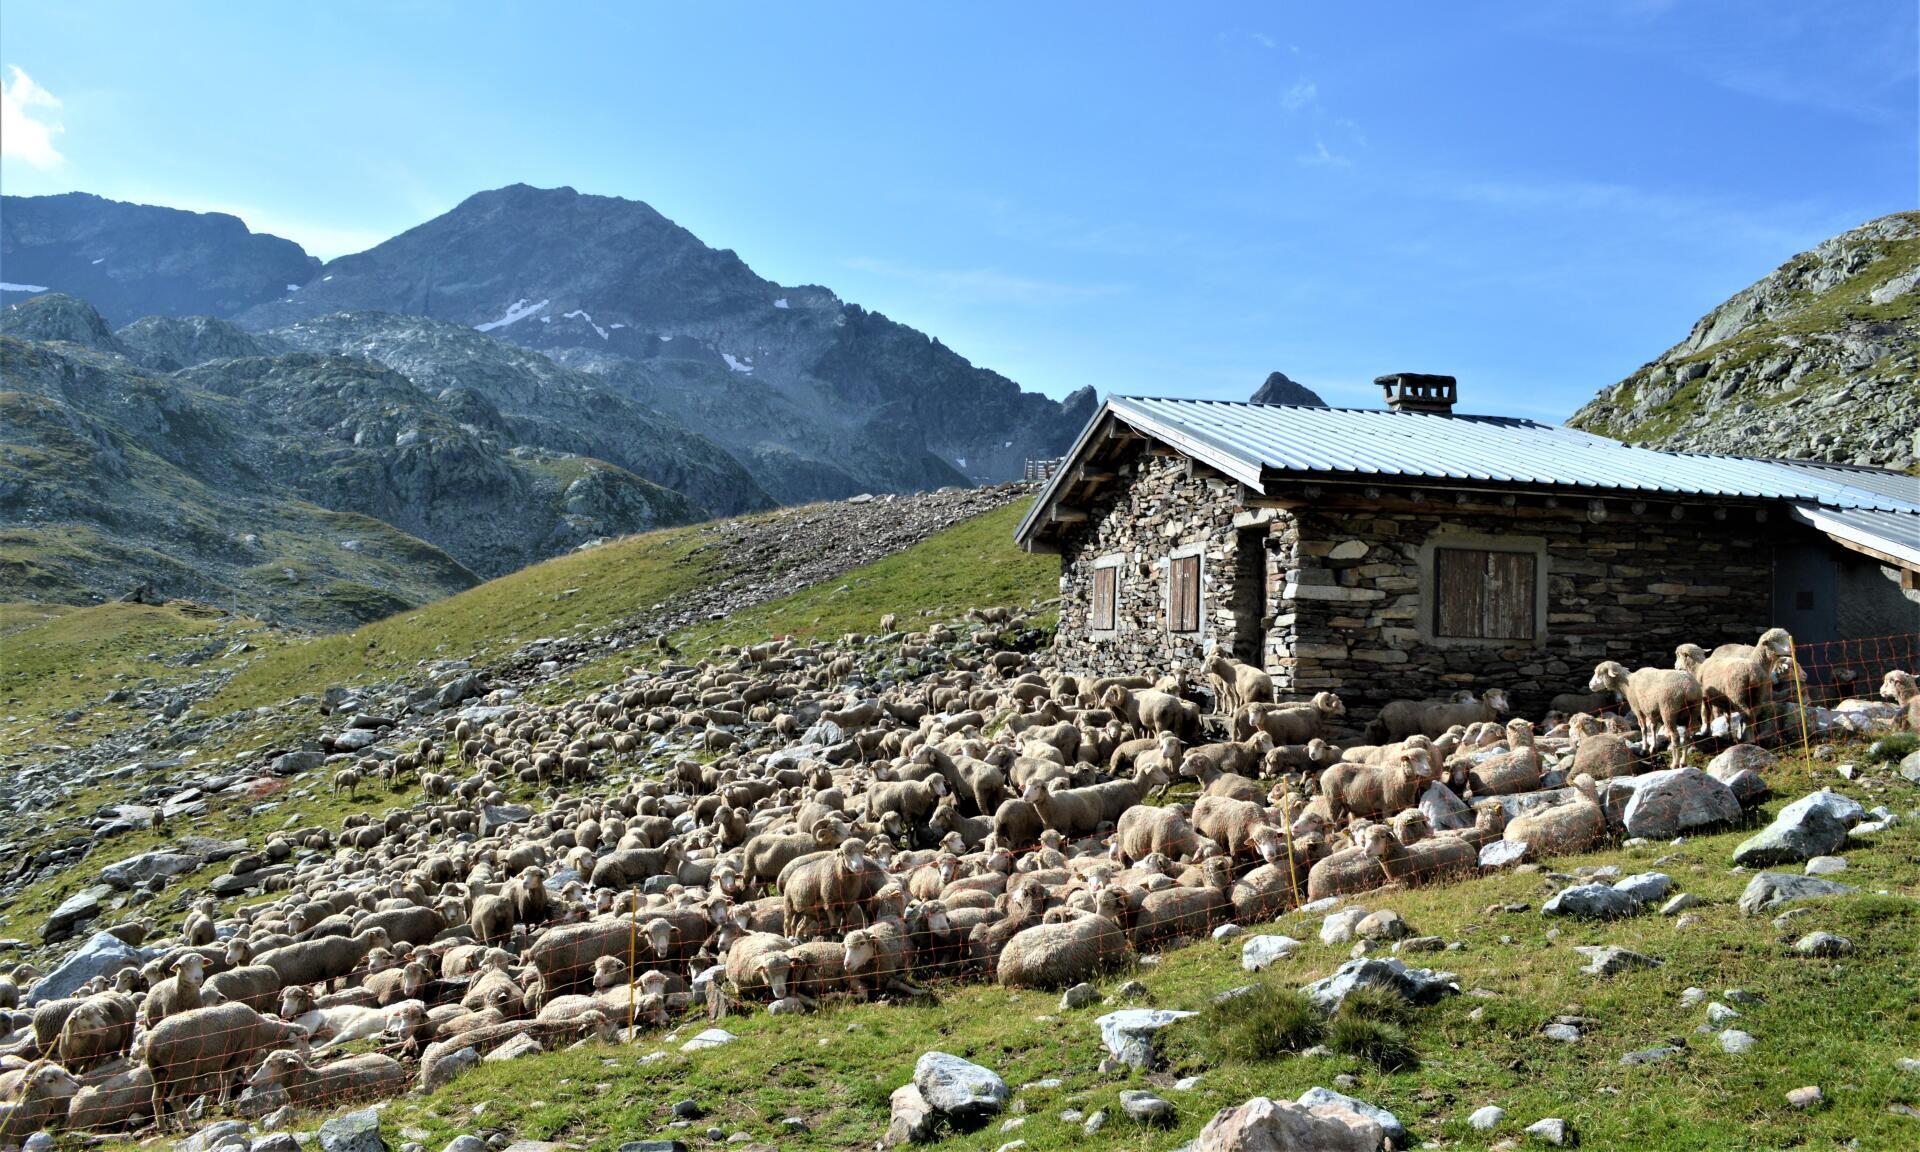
993,819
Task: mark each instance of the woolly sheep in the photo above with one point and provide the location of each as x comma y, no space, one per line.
1661,699
1067,952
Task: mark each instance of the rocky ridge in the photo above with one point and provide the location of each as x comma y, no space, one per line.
1818,360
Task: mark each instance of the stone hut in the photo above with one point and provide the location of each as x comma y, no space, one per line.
1409,551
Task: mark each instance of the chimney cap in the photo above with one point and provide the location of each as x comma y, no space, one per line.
1418,391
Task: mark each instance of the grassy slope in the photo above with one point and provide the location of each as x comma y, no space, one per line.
1839,1025
56,658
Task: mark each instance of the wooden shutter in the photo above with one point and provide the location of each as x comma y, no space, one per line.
1103,583
1183,594
1483,595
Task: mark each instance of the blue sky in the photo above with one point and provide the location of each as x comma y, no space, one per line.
1166,199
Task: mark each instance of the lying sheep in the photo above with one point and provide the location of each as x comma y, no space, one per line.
1143,831
1354,789
1067,952
44,1097
1899,687
1290,723
365,1077
111,1098
1431,718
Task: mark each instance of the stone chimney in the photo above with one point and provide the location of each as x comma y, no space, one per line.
1418,392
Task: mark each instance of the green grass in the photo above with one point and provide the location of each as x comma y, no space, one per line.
56,659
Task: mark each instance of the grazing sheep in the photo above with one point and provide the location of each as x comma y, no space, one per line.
255,985
1661,700
214,1043
1067,952
491,919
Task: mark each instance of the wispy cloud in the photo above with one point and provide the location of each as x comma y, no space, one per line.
27,128
1265,41
1304,94
983,284
1322,156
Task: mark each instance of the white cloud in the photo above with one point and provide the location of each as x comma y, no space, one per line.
1264,40
25,133
1322,156
1303,94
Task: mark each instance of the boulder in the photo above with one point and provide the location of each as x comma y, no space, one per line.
1770,890
293,763
1814,825
1740,758
1389,1123
137,870
1593,902
1749,788
1419,985
912,1121
447,1067
75,910
1443,809
1338,927
1674,800
1500,853
963,1092
102,955
710,1038
1265,1125
1611,960
494,817
1145,1107
353,1132
1129,1033
1647,887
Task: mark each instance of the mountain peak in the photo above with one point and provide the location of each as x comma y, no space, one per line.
1279,389
57,316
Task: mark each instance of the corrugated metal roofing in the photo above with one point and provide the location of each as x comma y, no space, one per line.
1250,441
1895,533
1494,449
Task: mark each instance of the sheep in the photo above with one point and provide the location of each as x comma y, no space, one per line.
1666,697
527,892
178,992
1355,869
1150,710
365,1077
1144,830
1296,759
323,958
1899,687
347,780
1290,723
1506,773
1237,757
1597,752
1442,857
756,962
255,985
1067,952
1377,790
108,1100
209,1043
1070,811
1736,683
827,891
44,1095
876,960
1184,910
1573,825
1236,685
491,919
1403,718
97,1030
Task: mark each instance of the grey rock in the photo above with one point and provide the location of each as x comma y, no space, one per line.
1500,853
960,1090
137,870
1553,1131
75,910
1801,831
1646,887
213,1136
1807,1097
1146,1108
354,1132
1770,890
293,763
1679,904
709,1038
1740,758
1419,985
1129,1033
912,1120
1675,800
1719,1014
494,817
1338,927
1258,952
1389,1123
276,1142
1823,944
1826,865
1649,1056
1736,1043
101,955
1593,902
447,1067
653,1146
1486,1119
1078,996
1564,1033
465,1142
1611,960
1385,924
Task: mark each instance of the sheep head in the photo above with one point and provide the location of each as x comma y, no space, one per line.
1608,676
1329,704
1898,686
858,950
1777,641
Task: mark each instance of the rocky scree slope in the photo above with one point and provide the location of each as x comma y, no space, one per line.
1819,360
133,260
815,396
312,488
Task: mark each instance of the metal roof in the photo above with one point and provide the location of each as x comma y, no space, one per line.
1897,534
1252,442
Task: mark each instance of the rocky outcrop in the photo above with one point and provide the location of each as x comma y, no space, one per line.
1278,389
1819,360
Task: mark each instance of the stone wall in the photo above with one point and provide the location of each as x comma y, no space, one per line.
1346,607
1353,616
1159,506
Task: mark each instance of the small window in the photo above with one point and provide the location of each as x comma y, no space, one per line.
1483,595
1103,584
1183,594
